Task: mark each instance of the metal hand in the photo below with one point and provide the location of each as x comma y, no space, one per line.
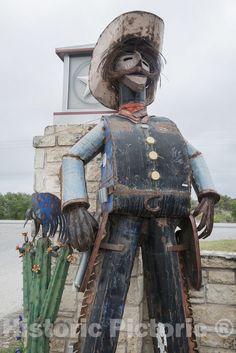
206,208
81,227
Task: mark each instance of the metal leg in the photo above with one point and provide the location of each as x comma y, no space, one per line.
113,284
163,286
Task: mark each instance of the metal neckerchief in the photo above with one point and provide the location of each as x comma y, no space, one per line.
135,112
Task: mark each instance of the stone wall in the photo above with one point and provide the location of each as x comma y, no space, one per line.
214,306
214,302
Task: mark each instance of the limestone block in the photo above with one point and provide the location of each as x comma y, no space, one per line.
52,168
71,274
197,293
92,196
39,180
135,293
197,300
56,154
68,139
92,172
76,128
44,141
62,128
138,265
214,340
65,328
122,338
57,345
134,344
210,314
39,158
92,186
224,277
92,207
121,348
131,318
52,184
204,277
69,300
218,260
147,345
221,294
216,350
66,320
49,130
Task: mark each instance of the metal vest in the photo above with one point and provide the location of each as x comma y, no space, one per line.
145,169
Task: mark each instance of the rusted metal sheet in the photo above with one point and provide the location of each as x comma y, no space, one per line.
106,290
163,287
94,254
188,237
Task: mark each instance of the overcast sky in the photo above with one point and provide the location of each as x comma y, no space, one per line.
198,81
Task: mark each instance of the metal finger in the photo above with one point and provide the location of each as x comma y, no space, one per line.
202,223
199,208
200,236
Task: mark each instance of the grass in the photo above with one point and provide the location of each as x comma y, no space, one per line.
12,348
218,245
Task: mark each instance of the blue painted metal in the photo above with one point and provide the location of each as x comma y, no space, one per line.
90,144
46,211
73,184
113,283
201,177
107,169
127,168
74,188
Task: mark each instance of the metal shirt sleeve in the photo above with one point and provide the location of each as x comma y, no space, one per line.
201,177
74,189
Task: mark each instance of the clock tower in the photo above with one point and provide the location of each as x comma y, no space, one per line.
79,106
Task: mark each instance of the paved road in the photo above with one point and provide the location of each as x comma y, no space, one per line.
11,265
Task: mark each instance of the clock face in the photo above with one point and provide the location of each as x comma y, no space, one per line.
79,95
80,84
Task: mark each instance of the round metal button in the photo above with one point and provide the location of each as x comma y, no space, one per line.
153,155
150,140
155,175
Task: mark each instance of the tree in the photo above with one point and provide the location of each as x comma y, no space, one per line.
233,209
14,205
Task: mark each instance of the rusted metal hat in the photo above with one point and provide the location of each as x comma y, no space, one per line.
130,25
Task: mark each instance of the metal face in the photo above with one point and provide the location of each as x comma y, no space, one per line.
133,70
130,61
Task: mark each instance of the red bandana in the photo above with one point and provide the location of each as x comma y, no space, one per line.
136,112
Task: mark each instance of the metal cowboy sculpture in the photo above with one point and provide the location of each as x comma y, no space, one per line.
146,176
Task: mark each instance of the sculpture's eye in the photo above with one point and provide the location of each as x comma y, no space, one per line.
145,63
128,58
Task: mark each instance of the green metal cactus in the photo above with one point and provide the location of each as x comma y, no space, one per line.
28,260
42,291
43,288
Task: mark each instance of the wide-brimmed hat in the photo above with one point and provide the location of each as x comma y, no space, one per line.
130,25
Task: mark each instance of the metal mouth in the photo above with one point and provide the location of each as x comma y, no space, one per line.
139,74
134,71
